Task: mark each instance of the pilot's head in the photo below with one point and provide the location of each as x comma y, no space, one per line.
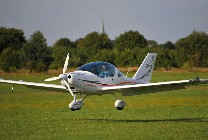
103,67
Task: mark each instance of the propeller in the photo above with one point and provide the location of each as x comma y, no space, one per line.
63,75
69,89
66,63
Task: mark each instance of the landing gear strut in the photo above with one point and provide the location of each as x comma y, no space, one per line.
77,104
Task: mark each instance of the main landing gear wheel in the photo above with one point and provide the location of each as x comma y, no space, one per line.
119,108
120,104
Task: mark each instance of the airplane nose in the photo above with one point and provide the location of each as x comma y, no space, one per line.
70,79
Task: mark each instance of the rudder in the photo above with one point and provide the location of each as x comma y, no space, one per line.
144,73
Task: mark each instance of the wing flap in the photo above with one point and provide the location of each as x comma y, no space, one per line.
129,90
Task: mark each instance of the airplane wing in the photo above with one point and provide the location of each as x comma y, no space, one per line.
35,85
129,90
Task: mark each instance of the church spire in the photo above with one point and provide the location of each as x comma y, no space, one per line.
103,27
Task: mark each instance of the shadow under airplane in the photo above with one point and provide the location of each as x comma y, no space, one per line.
154,120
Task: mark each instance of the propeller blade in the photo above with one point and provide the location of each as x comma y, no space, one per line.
66,63
68,88
60,77
52,79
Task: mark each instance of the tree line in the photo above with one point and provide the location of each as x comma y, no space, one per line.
129,48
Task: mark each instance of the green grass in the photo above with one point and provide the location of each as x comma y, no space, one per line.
39,114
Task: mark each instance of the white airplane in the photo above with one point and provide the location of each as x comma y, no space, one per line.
99,78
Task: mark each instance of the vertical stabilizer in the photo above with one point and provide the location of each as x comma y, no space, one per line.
144,73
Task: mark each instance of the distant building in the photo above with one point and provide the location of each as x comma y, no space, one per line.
102,30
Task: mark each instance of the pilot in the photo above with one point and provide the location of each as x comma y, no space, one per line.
104,72
197,79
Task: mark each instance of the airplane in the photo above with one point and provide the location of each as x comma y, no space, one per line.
100,78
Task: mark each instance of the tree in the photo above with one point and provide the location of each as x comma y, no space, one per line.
11,55
88,46
104,55
193,49
11,37
169,45
130,39
38,55
91,44
63,42
95,41
151,43
104,42
165,59
127,48
60,49
11,59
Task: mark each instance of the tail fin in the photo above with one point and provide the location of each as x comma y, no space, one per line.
144,73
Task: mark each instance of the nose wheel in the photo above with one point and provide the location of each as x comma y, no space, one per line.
77,104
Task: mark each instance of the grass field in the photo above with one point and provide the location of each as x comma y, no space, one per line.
39,114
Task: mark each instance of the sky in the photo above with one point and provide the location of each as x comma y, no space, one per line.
159,20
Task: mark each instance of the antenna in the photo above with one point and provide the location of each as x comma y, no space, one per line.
128,70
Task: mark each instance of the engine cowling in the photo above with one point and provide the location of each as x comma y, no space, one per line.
120,104
76,105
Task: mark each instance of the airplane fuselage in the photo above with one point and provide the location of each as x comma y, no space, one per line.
90,84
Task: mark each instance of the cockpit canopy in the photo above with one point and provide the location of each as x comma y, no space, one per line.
101,69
